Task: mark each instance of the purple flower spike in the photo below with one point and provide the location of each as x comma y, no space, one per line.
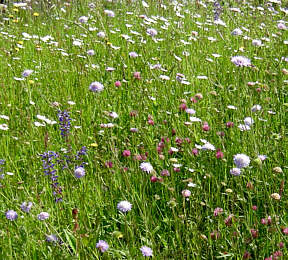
65,123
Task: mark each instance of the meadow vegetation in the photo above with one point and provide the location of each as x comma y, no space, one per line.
133,129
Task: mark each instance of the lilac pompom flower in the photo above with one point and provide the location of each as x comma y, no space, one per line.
146,251
186,193
235,171
79,172
152,32
26,207
96,86
124,206
83,19
146,167
102,246
241,61
241,160
27,73
51,238
43,216
11,215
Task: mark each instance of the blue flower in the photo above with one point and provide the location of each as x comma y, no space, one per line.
146,251
51,238
26,207
49,159
64,122
79,172
11,215
102,246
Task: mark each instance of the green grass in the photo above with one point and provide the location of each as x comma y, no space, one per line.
160,218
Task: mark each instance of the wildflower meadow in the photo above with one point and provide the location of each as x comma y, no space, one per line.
137,129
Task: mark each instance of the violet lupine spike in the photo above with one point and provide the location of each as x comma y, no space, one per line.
65,162
217,10
76,159
64,122
83,151
2,162
48,160
80,154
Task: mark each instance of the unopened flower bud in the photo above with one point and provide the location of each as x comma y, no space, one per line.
277,170
275,196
